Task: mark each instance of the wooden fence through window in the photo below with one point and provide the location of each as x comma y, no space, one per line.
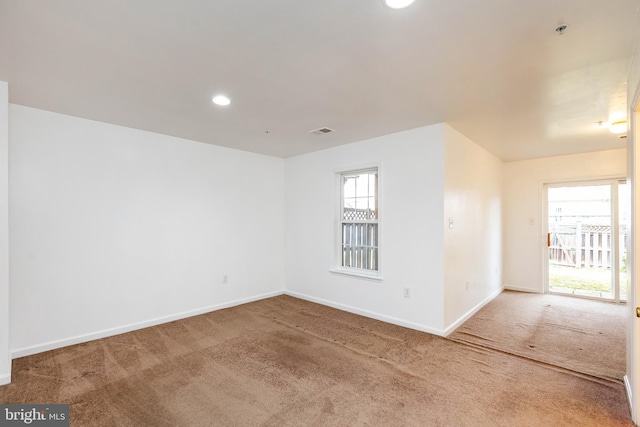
359,239
582,246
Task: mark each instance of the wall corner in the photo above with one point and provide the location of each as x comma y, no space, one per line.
5,355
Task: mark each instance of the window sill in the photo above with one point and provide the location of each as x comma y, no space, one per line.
357,273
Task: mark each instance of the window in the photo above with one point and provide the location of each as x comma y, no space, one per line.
359,220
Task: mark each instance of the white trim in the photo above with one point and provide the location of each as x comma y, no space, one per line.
370,314
627,386
51,345
355,272
336,253
578,182
544,236
613,183
521,289
601,299
355,167
452,327
5,379
633,368
615,237
5,277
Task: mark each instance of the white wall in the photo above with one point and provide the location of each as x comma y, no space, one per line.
411,234
473,247
633,79
114,228
5,357
523,181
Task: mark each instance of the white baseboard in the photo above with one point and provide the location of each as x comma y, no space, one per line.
28,351
452,327
627,386
366,313
5,379
521,289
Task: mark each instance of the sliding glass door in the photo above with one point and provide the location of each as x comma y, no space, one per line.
586,239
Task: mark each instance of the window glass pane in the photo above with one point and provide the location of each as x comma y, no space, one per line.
359,245
374,234
350,203
373,208
373,184
349,186
362,205
362,185
349,209
359,240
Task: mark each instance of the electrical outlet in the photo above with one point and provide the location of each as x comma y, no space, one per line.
225,279
407,293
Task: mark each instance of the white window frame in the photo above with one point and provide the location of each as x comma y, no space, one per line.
337,267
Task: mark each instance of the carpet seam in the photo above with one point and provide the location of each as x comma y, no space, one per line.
584,375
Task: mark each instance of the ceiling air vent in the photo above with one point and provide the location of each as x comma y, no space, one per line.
321,131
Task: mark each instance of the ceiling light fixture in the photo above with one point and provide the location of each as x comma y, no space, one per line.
618,127
397,4
221,100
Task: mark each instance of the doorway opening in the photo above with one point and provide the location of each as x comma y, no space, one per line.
587,228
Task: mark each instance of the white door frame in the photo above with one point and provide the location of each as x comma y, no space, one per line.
615,223
632,378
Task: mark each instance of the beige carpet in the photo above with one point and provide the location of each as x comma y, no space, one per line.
287,362
582,335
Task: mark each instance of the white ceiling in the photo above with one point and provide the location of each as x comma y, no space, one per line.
493,69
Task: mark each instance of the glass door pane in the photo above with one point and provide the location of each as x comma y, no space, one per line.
624,213
580,240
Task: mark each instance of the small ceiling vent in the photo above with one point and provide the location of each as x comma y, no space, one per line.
321,131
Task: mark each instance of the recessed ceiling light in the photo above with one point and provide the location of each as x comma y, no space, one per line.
397,4
221,100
